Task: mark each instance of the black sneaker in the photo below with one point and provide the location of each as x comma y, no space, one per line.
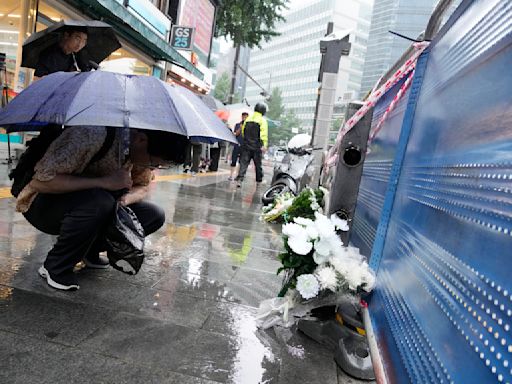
65,284
101,262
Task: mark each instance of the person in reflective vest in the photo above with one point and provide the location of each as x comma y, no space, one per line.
255,142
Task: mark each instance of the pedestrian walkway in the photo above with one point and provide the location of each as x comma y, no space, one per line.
187,317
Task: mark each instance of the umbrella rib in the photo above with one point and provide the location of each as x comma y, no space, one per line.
194,109
49,97
175,110
76,114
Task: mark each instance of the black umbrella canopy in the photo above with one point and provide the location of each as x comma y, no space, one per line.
101,41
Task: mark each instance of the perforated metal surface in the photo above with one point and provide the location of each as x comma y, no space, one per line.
442,309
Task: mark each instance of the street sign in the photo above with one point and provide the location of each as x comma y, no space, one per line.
182,37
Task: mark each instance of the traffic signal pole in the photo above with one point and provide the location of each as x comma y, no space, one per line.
332,47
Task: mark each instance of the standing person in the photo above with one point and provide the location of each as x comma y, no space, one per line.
215,150
73,195
235,154
255,141
192,158
64,55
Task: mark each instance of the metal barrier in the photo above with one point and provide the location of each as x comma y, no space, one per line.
435,209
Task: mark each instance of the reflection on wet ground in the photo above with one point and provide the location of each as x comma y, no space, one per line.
187,317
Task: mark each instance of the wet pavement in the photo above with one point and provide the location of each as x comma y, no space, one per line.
186,317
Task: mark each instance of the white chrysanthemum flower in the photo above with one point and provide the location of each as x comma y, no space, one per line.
294,230
323,246
354,277
320,259
368,277
300,245
327,278
312,232
339,264
340,224
308,286
303,221
324,226
335,243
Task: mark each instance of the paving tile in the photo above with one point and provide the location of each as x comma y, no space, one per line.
181,349
25,360
238,321
49,318
199,278
121,296
303,360
251,286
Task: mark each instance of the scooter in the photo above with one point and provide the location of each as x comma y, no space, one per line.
294,172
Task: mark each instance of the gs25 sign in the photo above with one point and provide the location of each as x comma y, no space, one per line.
182,37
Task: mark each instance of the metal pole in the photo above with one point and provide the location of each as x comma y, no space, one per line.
378,366
233,75
332,50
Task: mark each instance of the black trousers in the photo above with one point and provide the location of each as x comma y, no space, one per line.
214,157
245,158
235,155
79,219
193,156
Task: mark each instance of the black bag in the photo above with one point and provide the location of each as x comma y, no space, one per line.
125,241
37,147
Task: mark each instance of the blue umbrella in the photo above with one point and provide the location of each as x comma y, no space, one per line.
116,100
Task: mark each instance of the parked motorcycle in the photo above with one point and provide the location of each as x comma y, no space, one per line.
294,172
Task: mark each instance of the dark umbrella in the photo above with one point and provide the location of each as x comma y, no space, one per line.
101,41
111,99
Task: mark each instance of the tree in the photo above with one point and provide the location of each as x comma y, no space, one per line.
336,124
275,105
248,22
284,132
221,91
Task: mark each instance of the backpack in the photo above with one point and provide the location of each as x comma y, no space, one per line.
37,147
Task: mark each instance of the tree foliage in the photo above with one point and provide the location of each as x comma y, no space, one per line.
336,124
249,22
221,91
275,105
283,133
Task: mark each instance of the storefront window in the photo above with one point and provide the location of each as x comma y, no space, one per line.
121,61
47,16
16,23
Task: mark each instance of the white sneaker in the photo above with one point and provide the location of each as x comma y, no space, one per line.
64,286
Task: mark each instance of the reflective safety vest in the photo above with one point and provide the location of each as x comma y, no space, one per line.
255,131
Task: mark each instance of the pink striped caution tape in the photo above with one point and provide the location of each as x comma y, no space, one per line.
407,68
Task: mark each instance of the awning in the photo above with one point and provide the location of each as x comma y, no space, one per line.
133,30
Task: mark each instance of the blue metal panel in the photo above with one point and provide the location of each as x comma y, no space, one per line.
442,309
376,171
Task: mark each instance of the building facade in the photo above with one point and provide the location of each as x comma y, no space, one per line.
407,17
225,62
200,15
291,61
